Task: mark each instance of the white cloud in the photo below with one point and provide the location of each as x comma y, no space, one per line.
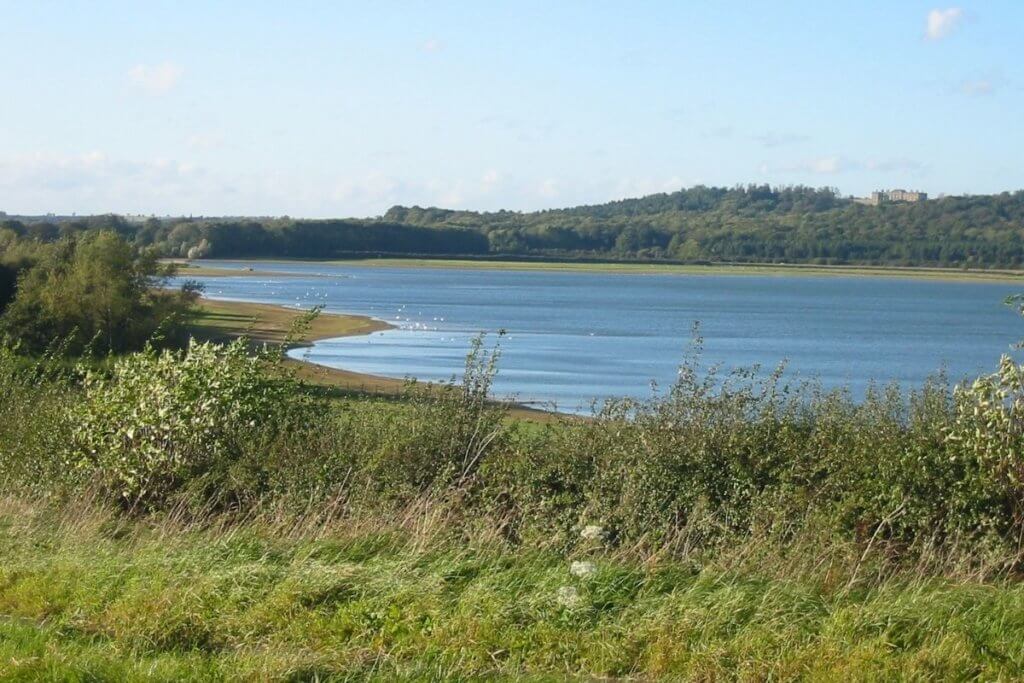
941,22
835,164
977,87
91,168
95,183
156,79
548,189
771,140
432,45
490,178
827,165
205,141
721,132
894,166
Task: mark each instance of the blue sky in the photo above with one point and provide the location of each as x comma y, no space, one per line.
343,109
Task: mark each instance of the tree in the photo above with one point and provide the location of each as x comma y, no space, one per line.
92,291
8,284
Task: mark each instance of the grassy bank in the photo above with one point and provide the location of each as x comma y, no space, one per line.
766,269
88,596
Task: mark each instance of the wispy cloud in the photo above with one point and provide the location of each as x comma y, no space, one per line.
205,141
633,59
432,45
772,140
524,130
156,79
894,165
719,133
549,189
941,22
490,178
827,165
835,164
94,181
977,87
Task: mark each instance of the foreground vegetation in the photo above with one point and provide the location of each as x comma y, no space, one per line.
202,514
697,225
91,596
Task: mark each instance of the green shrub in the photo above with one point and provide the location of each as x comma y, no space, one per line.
437,439
987,441
161,421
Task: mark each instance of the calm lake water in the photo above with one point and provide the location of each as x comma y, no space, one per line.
575,337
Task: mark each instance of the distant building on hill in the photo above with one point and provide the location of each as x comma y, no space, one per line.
883,196
907,196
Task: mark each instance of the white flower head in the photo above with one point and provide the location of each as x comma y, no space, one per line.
568,596
582,569
592,532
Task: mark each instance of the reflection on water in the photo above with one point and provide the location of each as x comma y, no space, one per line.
574,337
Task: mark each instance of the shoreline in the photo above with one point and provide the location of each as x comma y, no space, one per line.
221,319
208,268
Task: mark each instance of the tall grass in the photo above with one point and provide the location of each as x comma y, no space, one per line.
201,514
89,594
710,462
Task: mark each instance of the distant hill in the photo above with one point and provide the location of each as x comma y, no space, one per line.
755,223
758,224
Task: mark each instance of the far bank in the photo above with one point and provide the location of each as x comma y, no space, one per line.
264,268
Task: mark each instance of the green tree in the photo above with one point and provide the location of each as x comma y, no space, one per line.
91,290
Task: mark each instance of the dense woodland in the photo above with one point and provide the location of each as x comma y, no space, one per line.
700,224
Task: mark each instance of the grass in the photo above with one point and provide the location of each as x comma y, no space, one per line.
89,596
1000,275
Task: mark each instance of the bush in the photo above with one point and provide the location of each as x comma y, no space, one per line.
163,421
435,441
987,440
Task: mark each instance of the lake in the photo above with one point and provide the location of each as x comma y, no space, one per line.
573,337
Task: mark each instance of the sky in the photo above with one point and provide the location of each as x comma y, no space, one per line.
321,109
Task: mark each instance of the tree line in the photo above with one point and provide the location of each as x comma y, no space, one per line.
759,224
754,223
